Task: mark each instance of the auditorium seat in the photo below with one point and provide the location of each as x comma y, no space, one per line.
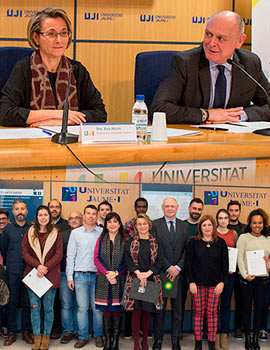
150,69
8,57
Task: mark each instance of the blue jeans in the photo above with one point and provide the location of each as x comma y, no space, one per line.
18,293
35,302
225,304
85,285
68,307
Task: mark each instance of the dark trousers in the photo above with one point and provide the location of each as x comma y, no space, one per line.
253,291
176,320
18,295
266,307
225,304
237,300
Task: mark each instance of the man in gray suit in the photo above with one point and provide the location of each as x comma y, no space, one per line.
203,88
172,235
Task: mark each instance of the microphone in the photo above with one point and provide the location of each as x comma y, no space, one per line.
230,61
265,131
64,137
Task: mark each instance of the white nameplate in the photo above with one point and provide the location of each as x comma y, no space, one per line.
107,132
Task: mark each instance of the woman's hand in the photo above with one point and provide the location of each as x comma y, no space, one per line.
53,117
219,288
143,282
250,277
113,281
266,262
111,275
193,288
42,270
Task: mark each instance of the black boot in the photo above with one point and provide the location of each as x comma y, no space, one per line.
198,345
211,345
157,344
255,343
248,345
116,332
107,322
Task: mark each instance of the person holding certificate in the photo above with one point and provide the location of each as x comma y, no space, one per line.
230,237
42,248
144,261
207,270
109,258
253,283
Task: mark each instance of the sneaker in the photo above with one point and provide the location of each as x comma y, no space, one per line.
263,335
3,332
238,334
128,334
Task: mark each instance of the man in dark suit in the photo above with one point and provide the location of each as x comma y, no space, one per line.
173,236
203,88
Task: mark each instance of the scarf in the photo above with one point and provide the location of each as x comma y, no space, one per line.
134,250
103,286
42,96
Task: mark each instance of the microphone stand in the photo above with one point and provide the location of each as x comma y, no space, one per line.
64,137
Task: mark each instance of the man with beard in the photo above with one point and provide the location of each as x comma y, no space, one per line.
234,210
4,220
11,248
67,296
195,211
55,208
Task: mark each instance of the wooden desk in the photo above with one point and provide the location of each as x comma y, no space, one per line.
211,145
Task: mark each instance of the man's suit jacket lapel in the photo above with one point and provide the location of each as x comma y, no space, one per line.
239,83
204,79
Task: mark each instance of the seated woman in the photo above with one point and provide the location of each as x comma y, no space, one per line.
109,258
252,288
144,261
206,269
35,92
42,248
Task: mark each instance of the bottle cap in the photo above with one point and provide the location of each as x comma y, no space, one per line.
139,97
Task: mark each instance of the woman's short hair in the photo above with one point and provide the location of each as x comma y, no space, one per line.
199,228
34,25
145,217
265,217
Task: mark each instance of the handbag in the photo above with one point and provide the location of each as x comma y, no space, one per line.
149,293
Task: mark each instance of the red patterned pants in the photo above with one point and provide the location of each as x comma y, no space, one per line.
205,301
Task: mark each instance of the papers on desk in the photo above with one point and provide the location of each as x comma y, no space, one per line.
232,258
35,133
177,132
241,127
256,262
38,285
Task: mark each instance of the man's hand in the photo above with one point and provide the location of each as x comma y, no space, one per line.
221,116
70,284
172,272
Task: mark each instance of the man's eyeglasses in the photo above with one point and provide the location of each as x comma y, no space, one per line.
53,34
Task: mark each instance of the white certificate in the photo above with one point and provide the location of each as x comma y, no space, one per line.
256,262
38,285
232,258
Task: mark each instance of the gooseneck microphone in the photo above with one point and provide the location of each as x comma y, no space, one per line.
64,137
230,61
265,131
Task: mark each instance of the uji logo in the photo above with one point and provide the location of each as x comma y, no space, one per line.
69,194
211,197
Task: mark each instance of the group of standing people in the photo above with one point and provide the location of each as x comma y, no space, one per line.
103,262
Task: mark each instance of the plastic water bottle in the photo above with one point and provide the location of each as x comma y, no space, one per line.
140,118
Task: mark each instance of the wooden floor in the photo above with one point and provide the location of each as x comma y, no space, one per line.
186,344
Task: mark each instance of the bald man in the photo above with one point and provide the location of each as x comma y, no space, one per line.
67,296
173,236
202,87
